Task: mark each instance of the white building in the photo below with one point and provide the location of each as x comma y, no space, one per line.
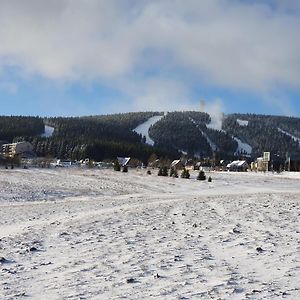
19,148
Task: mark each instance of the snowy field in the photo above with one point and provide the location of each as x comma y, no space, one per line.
99,234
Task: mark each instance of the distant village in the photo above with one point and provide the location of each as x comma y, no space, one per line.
21,154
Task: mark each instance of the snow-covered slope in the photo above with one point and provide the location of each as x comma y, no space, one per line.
296,139
210,142
48,131
242,122
243,147
143,128
136,236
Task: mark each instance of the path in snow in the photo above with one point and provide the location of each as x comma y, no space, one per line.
143,128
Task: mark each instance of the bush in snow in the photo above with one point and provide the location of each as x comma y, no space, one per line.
117,166
125,169
173,173
185,174
163,171
209,179
160,172
201,175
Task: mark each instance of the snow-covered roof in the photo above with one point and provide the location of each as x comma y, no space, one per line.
237,163
175,162
123,161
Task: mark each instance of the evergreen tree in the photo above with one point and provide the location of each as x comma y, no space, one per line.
201,175
165,171
185,174
117,166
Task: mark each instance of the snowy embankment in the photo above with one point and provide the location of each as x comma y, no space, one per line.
296,139
143,128
48,131
111,235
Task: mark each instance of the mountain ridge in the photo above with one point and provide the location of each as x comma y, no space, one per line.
107,136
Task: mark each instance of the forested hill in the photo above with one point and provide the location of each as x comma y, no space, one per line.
277,134
107,136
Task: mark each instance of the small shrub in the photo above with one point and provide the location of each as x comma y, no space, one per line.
185,174
160,172
175,175
125,169
117,166
209,179
201,175
172,171
148,172
165,171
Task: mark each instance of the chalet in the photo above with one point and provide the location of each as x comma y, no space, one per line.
155,164
177,164
190,164
123,161
64,163
197,166
238,166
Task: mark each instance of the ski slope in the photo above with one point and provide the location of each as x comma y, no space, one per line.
143,128
48,131
296,139
243,147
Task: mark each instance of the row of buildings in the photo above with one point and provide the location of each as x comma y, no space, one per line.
10,150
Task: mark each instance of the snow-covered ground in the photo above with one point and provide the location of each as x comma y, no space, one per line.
99,234
296,139
48,131
143,128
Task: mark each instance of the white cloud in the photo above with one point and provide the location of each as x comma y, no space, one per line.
223,43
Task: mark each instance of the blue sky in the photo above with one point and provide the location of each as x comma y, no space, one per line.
71,58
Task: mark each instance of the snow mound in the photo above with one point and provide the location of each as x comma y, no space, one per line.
143,128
